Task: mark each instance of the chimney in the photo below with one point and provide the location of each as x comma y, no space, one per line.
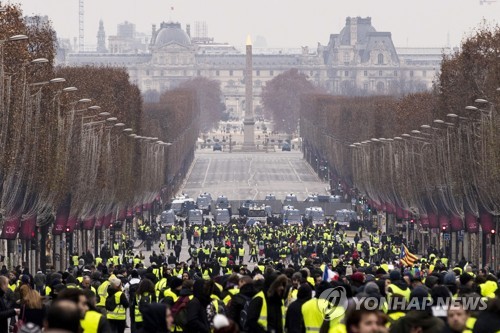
188,30
353,28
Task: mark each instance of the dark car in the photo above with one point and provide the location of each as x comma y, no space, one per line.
285,147
217,146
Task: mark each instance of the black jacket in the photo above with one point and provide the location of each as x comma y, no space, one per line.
294,319
238,301
197,320
5,313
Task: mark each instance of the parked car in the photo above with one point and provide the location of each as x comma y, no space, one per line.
286,147
217,146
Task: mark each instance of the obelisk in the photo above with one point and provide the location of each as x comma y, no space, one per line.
249,122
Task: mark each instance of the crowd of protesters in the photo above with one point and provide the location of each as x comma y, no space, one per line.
263,278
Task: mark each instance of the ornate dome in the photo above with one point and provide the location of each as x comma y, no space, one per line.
171,32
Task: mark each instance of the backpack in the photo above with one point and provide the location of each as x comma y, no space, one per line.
244,313
211,311
179,311
110,303
144,300
132,290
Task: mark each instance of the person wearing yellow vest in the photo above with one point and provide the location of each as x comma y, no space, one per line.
116,306
171,294
315,309
102,293
75,258
398,286
266,311
116,247
223,263
145,295
241,254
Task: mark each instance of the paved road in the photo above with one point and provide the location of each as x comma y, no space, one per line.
242,176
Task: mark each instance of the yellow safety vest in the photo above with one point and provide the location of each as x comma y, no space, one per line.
398,291
469,325
263,312
393,317
206,274
228,297
14,286
119,312
241,252
103,293
75,260
223,261
168,292
160,285
339,328
98,260
90,323
314,310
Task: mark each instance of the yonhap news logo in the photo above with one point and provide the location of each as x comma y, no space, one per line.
333,303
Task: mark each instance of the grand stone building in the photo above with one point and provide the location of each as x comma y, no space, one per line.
357,61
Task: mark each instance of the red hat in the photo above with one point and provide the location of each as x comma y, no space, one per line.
358,277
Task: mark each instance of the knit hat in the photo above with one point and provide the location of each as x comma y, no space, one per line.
450,278
358,277
220,321
116,282
175,283
30,328
25,279
421,295
395,275
465,278
371,288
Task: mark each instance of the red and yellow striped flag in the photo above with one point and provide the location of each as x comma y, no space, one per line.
406,257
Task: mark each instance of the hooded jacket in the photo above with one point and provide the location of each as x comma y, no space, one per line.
154,318
274,303
197,320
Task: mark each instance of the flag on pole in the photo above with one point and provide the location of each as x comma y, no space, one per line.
406,257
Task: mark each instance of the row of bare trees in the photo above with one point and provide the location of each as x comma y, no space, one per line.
433,152
76,136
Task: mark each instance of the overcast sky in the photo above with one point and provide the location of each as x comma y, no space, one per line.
283,23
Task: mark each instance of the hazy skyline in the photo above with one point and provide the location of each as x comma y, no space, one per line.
283,23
